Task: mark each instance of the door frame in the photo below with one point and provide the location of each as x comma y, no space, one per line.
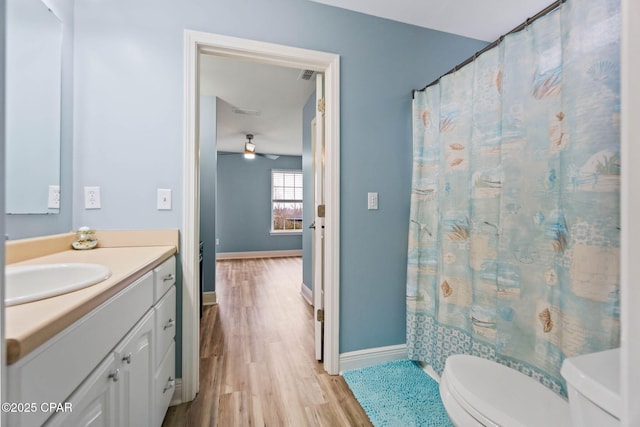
196,42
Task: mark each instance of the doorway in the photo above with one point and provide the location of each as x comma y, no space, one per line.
196,43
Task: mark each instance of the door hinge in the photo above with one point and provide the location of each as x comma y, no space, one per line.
321,105
320,315
320,211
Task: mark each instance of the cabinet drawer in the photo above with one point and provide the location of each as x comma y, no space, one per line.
165,323
164,385
165,277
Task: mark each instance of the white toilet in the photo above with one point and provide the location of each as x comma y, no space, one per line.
479,392
593,382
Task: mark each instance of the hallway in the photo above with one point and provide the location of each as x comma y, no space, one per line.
257,364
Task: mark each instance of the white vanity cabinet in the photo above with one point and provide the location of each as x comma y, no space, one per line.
108,365
119,391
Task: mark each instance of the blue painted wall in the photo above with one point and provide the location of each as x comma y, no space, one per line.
244,204
21,226
208,159
308,113
128,104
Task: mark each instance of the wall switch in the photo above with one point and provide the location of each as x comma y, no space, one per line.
92,197
164,199
217,242
372,201
53,201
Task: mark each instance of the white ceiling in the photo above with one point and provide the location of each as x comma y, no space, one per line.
479,19
279,95
276,93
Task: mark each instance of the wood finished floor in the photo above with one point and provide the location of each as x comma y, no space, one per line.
257,364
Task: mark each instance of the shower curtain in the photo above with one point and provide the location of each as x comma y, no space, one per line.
515,231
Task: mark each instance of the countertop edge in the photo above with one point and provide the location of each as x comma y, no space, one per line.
18,348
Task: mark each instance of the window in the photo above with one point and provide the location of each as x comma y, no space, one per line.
286,201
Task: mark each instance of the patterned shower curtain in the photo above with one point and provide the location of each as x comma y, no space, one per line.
515,231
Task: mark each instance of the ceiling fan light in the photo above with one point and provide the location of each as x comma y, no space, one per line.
249,148
249,151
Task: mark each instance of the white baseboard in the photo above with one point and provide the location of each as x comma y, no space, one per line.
307,293
372,356
259,254
177,393
429,370
209,298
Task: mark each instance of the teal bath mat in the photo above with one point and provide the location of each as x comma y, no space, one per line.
398,394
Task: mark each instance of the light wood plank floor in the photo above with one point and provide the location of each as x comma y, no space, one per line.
257,364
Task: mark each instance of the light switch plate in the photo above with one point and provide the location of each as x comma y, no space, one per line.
372,201
92,197
164,199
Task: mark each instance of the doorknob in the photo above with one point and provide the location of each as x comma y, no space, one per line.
313,225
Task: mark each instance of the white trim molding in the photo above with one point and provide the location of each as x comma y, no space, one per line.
428,369
190,244
372,356
177,393
306,293
285,233
196,43
629,210
332,216
259,254
209,298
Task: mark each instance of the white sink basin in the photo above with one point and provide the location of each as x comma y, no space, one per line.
29,283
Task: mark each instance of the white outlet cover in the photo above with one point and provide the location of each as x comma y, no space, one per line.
92,197
53,200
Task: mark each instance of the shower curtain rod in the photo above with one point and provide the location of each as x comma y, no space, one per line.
553,6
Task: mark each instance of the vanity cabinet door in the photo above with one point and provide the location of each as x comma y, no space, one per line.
94,403
134,357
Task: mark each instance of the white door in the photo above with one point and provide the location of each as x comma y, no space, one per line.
317,144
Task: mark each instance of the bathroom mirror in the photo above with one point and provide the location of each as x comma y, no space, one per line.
32,106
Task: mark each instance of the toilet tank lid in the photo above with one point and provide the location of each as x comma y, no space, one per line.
503,395
597,377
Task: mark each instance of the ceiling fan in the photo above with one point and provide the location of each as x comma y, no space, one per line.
250,150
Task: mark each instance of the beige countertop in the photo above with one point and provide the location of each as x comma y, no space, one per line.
29,325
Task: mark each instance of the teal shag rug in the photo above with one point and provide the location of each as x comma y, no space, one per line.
398,394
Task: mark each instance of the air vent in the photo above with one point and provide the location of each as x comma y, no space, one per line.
306,74
245,111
